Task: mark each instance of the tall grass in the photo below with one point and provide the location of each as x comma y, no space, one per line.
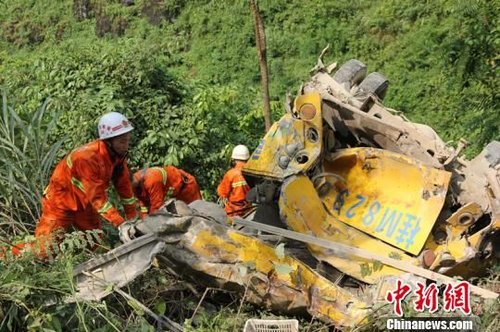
34,294
26,161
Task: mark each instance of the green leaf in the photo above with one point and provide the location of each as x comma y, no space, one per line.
282,268
160,307
137,309
365,269
395,255
377,266
56,324
280,250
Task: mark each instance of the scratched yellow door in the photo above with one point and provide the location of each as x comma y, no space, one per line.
385,194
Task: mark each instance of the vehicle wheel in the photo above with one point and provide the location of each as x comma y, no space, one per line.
350,73
375,83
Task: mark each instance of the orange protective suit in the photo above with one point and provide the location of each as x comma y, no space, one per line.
153,186
233,188
76,195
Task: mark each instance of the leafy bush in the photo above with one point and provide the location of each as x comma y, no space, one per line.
193,128
439,60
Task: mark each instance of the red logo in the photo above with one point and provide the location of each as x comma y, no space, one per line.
455,296
402,290
427,297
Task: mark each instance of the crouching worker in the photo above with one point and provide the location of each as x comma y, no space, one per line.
233,188
77,192
153,186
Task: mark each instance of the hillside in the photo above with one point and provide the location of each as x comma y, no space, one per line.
154,56
186,73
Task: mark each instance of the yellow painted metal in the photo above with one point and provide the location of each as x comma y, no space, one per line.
304,212
463,218
464,252
385,194
320,296
462,248
292,145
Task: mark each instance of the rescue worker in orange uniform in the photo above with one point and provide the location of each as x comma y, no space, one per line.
233,188
76,195
153,186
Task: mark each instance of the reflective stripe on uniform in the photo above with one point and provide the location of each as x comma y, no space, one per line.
144,209
45,191
239,184
105,208
69,162
77,183
170,192
163,174
129,201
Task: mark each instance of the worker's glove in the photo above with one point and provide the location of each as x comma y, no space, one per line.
222,201
127,231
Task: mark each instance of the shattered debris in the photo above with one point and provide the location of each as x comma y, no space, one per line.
341,167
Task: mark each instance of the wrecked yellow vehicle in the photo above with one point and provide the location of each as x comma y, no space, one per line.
373,196
348,169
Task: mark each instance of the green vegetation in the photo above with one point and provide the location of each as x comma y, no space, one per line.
186,73
23,144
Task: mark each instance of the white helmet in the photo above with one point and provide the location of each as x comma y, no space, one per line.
240,152
113,124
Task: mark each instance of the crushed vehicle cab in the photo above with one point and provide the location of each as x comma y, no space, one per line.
343,167
374,197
